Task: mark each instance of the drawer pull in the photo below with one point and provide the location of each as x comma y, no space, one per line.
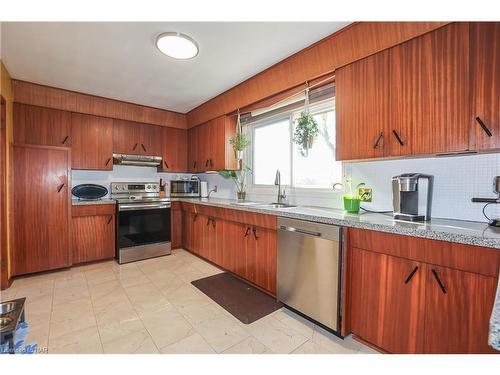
107,161
144,148
438,280
246,232
483,125
398,138
377,142
65,139
166,164
110,219
60,188
410,276
135,146
254,230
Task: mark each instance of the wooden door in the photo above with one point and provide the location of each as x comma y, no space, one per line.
362,108
387,301
175,150
92,142
151,140
265,258
485,85
429,91
41,126
93,238
193,161
126,137
41,209
458,306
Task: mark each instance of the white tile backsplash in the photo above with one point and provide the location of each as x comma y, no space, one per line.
456,180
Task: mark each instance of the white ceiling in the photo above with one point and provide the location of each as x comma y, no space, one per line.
120,60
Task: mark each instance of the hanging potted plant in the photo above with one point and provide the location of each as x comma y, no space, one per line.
239,178
306,129
239,141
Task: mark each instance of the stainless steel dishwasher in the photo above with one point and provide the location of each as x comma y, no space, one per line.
309,270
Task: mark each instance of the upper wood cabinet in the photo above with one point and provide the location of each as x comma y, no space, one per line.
208,145
175,145
409,100
93,232
41,126
92,142
362,108
429,91
137,138
485,85
41,211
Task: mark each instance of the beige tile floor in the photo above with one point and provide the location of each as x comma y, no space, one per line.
151,307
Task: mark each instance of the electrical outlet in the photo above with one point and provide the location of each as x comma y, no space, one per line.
365,194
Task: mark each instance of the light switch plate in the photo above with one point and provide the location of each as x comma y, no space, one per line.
365,194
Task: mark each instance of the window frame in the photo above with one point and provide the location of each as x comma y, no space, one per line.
323,106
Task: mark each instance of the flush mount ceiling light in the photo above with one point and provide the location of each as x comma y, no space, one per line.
177,45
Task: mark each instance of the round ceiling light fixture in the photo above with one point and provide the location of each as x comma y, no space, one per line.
177,45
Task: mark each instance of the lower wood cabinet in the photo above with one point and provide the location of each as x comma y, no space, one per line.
241,247
93,232
41,208
403,303
176,224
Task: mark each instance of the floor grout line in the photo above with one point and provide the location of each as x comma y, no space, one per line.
93,312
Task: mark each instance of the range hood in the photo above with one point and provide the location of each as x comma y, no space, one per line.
137,160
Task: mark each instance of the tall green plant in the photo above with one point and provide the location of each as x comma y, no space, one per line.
239,177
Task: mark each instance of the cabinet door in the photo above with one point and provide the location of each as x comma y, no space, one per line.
126,137
93,238
362,108
193,161
187,230
214,241
485,85
203,148
175,147
151,140
233,255
41,126
176,226
386,301
41,209
265,262
429,93
457,311
92,142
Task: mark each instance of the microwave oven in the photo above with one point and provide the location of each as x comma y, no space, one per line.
185,188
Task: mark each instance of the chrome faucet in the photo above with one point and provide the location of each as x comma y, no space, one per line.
277,182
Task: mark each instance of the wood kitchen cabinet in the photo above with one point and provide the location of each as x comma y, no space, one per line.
93,232
485,85
92,142
412,99
41,208
176,223
175,145
41,126
137,138
209,148
412,295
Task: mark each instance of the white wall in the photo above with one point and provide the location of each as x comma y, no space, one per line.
456,180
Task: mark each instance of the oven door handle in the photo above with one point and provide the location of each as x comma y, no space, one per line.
142,206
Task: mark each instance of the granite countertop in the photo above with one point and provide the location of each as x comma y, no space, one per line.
465,232
80,202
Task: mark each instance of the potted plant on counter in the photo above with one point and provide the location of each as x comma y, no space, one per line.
351,197
239,178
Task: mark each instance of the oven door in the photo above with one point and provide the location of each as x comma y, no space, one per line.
143,231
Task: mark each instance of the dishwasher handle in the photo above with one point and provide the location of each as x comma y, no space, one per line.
301,231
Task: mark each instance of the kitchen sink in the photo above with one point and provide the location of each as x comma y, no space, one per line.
5,322
7,307
276,205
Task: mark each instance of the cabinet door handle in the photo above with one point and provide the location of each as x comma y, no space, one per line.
208,221
254,230
483,125
211,162
59,188
107,161
379,138
206,163
144,148
110,219
411,275
213,223
246,232
398,137
135,146
194,165
166,164
438,280
195,216
65,139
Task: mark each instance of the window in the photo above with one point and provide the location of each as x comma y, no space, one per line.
273,148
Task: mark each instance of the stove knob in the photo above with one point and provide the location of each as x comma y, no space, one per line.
148,187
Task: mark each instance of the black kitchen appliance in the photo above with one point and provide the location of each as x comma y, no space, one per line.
89,191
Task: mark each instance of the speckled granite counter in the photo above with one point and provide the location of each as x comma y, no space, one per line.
494,337
466,232
79,202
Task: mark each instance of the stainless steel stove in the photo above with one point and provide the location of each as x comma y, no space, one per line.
143,221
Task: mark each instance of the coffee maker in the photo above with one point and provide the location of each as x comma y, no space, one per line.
412,196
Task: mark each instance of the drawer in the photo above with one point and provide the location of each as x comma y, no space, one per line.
93,210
